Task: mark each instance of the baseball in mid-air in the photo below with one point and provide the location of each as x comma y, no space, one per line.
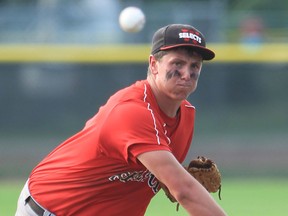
132,19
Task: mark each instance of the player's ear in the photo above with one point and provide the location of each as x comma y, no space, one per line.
153,64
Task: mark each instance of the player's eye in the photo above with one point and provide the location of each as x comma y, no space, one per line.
195,66
178,64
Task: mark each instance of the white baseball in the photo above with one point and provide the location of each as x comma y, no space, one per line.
132,19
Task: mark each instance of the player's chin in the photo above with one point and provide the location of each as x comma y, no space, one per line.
183,95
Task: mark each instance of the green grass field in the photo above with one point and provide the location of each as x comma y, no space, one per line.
240,197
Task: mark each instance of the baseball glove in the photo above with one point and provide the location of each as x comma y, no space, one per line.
206,172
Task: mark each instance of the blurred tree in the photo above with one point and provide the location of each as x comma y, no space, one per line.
232,4
18,2
257,4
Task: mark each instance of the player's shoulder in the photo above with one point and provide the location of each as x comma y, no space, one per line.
131,100
135,91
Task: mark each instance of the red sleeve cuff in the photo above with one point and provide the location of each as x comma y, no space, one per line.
137,149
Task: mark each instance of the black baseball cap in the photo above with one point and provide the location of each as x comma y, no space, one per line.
178,35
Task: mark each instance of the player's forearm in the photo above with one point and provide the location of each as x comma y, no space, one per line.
197,201
196,209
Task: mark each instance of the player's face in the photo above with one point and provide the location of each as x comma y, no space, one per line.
177,73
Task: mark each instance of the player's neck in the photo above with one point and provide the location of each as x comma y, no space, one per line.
167,105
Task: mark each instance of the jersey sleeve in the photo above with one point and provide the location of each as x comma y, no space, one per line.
131,129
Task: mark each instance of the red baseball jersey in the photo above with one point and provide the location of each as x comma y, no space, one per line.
96,171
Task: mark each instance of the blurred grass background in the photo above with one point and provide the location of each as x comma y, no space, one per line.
61,60
240,197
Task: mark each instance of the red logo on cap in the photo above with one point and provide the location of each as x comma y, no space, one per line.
188,35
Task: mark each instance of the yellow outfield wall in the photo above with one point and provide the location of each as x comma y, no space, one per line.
137,53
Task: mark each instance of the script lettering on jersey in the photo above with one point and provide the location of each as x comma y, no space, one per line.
153,183
139,176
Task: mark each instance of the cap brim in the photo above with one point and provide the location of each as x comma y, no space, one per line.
206,53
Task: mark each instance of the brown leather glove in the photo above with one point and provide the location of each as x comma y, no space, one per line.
206,172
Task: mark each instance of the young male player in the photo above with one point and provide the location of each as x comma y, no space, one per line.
138,138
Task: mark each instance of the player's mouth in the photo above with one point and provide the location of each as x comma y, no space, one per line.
185,86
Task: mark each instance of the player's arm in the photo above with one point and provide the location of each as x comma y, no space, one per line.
186,189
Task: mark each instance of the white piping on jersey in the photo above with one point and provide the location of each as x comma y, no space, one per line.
189,106
152,115
165,132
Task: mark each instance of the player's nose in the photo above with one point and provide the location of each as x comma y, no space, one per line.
186,74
